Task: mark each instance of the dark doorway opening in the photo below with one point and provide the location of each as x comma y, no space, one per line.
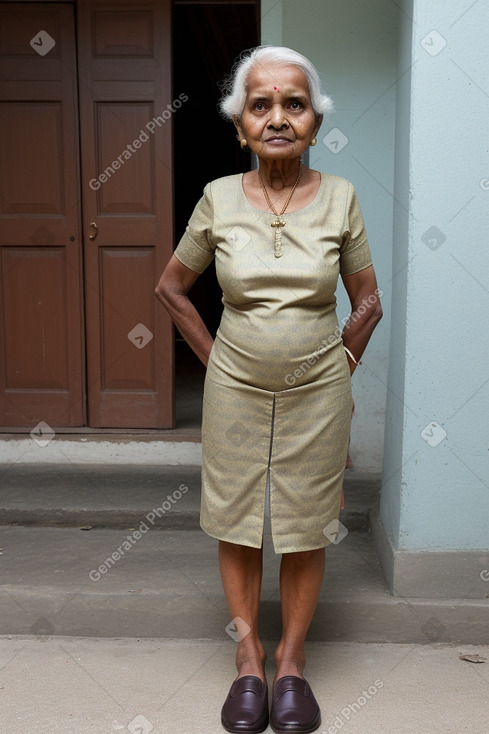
207,39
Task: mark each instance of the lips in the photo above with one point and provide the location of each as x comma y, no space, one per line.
278,138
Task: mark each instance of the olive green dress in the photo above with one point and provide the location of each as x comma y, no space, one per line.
277,394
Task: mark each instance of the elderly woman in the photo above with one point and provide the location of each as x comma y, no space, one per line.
277,401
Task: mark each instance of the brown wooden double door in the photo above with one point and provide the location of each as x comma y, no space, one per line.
86,223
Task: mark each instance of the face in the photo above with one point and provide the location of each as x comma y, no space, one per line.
278,120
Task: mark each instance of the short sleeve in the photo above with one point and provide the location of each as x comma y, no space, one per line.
354,251
196,249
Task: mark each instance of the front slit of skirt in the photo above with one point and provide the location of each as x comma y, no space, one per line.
266,519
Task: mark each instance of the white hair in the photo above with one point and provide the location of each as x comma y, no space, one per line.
234,87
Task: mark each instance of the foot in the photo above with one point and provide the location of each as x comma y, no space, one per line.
294,707
246,706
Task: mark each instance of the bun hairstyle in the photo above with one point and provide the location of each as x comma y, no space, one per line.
234,86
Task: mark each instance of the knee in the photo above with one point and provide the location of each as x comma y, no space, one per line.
302,558
238,552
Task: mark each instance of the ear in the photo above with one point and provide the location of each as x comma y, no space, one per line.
319,122
237,125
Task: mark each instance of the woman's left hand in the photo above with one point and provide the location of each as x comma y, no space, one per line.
349,462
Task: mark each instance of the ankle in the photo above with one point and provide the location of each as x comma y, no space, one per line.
251,659
251,667
289,663
288,667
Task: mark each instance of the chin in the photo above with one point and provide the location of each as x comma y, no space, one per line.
280,153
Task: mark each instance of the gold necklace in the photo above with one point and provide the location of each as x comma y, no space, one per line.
278,223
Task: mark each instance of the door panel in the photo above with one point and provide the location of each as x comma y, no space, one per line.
35,363
126,132
130,272
132,190
32,131
41,321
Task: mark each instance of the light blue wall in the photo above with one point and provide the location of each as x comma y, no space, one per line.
354,46
394,418
436,473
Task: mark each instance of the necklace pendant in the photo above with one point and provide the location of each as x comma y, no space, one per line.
277,224
277,249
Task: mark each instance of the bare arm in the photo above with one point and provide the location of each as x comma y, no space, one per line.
171,291
366,312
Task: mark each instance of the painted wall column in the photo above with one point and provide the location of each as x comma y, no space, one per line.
432,528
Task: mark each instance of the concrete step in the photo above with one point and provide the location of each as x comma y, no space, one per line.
122,495
165,583
117,551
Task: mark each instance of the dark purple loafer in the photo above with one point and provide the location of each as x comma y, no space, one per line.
246,705
294,708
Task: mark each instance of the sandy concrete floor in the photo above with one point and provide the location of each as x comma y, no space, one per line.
98,686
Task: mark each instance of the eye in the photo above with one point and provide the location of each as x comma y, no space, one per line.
259,106
295,104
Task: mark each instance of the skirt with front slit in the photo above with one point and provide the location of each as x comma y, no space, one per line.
299,435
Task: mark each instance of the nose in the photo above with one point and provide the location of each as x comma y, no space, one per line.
277,118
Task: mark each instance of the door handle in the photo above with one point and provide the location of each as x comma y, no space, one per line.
94,232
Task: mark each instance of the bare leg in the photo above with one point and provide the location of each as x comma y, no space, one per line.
301,577
241,574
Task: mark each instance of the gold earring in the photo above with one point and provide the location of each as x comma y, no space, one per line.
313,141
243,142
